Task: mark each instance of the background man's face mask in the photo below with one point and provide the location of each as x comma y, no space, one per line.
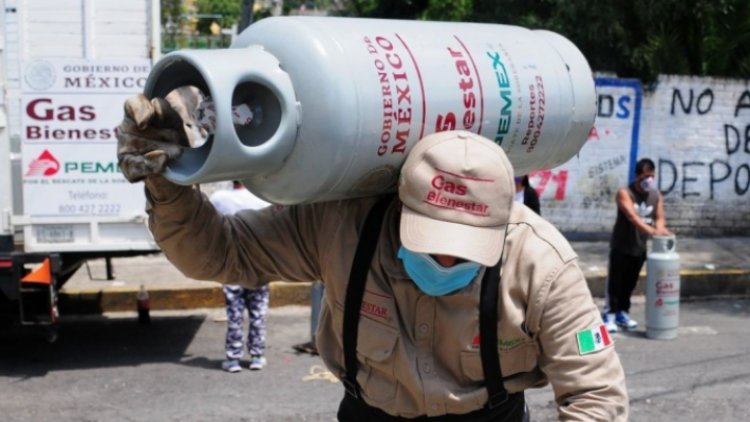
648,183
434,279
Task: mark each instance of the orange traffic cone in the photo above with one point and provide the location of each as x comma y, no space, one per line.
42,275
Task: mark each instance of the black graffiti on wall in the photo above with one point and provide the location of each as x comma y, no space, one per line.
701,178
696,178
703,101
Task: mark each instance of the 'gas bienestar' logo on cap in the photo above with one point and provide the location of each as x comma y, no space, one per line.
447,184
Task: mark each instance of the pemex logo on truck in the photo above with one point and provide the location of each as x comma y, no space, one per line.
46,165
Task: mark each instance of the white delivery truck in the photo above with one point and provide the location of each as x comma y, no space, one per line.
66,67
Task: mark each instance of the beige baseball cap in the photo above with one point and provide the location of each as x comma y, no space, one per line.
457,189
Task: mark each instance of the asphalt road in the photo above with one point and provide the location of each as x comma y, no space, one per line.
112,369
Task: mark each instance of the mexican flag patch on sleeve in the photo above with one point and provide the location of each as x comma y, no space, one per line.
593,339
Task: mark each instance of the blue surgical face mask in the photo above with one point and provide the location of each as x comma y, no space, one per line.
434,279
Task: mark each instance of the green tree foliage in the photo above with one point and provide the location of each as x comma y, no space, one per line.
728,45
171,11
332,7
447,10
390,9
290,5
228,13
643,38
633,38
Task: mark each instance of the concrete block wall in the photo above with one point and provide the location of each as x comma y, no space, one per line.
697,131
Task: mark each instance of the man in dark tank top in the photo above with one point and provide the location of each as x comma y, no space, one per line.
640,214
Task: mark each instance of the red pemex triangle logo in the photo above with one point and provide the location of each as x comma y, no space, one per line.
44,165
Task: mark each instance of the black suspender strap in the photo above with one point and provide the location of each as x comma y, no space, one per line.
355,290
488,314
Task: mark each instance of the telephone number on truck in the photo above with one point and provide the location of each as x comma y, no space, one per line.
88,209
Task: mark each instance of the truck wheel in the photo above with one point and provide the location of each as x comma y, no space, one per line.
52,335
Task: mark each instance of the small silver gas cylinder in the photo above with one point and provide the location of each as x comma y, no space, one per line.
662,289
338,102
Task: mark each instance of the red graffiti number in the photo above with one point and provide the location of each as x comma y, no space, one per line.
543,177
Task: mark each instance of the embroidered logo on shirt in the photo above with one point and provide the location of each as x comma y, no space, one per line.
593,340
507,344
501,344
377,305
372,309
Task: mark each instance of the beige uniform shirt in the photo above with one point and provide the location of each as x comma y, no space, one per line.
418,354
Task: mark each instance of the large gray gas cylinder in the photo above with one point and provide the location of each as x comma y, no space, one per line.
662,289
338,102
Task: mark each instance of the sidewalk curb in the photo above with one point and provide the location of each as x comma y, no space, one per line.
118,299
694,283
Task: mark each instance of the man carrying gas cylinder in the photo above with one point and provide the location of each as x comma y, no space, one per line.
442,303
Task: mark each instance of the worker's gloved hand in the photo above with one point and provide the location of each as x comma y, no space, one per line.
150,135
